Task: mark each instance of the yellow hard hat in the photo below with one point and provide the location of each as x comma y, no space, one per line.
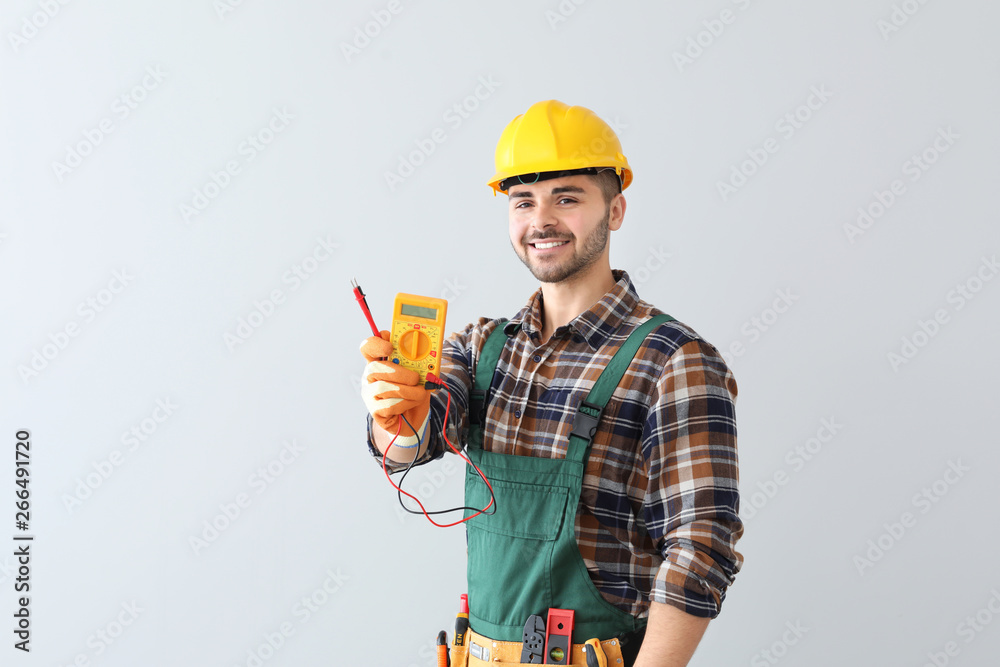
551,139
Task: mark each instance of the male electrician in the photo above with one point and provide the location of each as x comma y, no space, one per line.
615,483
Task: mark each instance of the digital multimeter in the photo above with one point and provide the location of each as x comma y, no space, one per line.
417,333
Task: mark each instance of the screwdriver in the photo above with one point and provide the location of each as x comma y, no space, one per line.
462,620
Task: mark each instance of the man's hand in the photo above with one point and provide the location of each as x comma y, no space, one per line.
391,392
671,637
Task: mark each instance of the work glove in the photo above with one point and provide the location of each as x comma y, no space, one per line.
391,391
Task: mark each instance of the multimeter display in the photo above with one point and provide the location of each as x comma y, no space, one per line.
418,332
418,311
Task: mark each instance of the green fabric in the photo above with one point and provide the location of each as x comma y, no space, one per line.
524,559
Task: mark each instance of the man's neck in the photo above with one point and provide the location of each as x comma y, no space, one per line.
563,302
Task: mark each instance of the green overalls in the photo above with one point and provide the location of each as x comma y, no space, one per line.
524,559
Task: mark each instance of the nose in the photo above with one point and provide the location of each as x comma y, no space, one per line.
545,216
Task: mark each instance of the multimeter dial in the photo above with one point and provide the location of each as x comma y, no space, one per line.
414,344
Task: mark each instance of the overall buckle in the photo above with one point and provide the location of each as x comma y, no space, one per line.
586,419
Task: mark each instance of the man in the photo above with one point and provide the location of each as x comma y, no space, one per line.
628,514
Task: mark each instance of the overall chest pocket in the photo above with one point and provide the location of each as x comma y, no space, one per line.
524,511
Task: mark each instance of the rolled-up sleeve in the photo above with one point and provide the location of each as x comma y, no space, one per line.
691,504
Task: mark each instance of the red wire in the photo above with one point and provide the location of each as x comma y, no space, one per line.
399,425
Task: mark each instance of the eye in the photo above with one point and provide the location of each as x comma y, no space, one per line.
567,199
522,204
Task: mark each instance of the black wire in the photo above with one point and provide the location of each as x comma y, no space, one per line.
399,489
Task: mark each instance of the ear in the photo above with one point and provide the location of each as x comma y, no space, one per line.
616,213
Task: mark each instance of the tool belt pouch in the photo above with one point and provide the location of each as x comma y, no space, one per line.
459,656
481,651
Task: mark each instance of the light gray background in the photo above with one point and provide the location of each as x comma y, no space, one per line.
716,263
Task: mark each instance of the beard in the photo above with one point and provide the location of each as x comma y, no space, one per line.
556,271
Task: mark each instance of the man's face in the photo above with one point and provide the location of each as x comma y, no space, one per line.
559,228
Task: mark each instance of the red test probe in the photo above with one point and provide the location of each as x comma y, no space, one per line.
359,296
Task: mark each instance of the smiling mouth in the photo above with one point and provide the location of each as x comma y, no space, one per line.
545,245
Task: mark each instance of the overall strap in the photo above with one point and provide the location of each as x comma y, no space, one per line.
486,367
589,412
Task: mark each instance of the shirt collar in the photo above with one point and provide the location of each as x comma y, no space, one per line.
595,324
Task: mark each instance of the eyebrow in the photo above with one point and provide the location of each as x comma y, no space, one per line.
555,191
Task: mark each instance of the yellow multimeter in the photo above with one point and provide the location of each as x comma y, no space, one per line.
418,333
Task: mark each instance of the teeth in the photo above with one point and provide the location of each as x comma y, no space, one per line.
551,244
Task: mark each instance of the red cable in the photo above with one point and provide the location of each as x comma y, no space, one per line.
399,425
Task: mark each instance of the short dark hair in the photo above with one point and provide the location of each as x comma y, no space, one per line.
609,182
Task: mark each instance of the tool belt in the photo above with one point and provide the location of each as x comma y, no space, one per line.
482,651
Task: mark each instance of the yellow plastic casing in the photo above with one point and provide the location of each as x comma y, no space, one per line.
418,333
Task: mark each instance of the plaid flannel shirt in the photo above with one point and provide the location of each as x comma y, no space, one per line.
658,516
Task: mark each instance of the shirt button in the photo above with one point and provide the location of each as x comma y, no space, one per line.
536,358
517,413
